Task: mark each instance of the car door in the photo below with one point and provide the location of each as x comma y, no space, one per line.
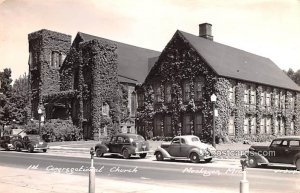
119,144
112,145
184,148
174,148
274,151
280,152
291,151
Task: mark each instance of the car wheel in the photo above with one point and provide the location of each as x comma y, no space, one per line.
298,164
208,160
143,155
6,148
126,154
44,150
194,157
159,156
99,153
30,149
252,162
17,146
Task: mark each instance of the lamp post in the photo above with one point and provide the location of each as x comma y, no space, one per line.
40,112
213,99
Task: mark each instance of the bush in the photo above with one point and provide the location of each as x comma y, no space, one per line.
60,130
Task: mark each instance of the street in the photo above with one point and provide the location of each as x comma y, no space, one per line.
219,175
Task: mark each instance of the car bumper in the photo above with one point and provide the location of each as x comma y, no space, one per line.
41,148
141,152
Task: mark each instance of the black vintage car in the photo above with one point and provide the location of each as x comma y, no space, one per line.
282,150
29,142
125,145
5,142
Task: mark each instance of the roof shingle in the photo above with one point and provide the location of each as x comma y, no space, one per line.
238,64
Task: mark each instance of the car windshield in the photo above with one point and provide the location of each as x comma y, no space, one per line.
137,138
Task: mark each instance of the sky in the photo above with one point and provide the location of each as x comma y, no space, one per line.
269,28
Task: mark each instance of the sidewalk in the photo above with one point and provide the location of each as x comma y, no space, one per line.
14,180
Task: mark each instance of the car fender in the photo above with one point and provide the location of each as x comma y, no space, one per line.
296,157
163,151
196,150
103,148
259,158
129,148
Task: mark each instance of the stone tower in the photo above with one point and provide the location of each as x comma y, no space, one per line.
47,51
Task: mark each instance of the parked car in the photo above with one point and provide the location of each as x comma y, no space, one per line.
283,150
29,142
5,142
125,145
183,147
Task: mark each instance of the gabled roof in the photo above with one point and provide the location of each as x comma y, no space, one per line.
238,64
132,60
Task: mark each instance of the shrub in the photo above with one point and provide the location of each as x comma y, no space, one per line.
60,130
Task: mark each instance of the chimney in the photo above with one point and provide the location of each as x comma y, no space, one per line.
205,31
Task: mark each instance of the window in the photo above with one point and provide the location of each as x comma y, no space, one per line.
198,124
268,125
168,126
282,126
141,99
133,104
120,139
182,141
263,125
293,102
62,58
168,98
292,128
263,99
253,125
187,124
157,126
282,100
253,97
55,59
277,100
186,90
105,109
231,127
176,141
268,98
276,129
246,96
294,143
246,125
199,85
157,93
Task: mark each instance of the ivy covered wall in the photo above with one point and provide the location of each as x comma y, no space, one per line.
44,77
179,62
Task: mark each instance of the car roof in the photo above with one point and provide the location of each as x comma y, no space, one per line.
288,138
126,135
185,136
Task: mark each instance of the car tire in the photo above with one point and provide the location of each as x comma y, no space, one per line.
126,154
143,155
159,156
298,164
30,149
44,150
194,157
17,146
99,153
208,160
252,162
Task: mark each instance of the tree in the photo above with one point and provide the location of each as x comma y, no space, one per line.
6,107
295,76
20,98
